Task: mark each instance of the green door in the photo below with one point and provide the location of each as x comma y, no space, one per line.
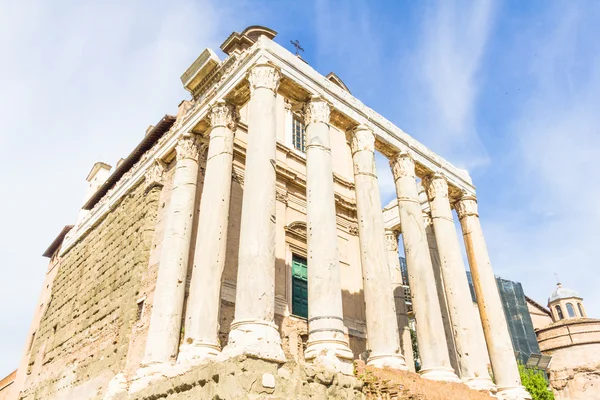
299,287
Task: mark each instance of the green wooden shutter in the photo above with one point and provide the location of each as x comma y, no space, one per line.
299,287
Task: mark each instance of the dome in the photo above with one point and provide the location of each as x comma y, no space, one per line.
562,293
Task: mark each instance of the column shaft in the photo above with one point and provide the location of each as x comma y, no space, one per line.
382,327
391,240
430,328
495,328
167,307
253,331
327,343
458,296
204,301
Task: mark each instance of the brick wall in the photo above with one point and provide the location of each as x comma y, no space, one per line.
83,336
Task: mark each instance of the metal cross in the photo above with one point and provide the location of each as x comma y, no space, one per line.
296,44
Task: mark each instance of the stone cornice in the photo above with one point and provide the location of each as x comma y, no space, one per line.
390,139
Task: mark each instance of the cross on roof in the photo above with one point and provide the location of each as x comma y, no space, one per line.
296,44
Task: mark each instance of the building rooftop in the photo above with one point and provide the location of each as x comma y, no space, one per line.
562,293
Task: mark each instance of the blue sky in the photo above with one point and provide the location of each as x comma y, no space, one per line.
509,90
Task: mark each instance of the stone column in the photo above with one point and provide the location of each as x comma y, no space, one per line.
204,301
327,343
391,241
430,328
382,327
253,330
495,329
456,287
167,307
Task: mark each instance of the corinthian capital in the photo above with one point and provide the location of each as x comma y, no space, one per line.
264,76
435,186
188,147
402,165
391,240
361,138
223,113
466,206
154,175
316,110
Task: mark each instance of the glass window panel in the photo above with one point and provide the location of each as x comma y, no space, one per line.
570,310
559,312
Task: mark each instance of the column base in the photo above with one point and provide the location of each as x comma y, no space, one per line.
198,351
116,386
513,393
480,383
393,361
256,338
330,349
445,374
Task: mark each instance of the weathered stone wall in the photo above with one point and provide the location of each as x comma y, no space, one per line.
246,378
83,337
575,372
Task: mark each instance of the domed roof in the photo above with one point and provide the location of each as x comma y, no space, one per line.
562,293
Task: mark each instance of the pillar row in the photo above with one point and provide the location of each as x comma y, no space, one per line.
382,327
164,331
327,342
202,311
253,330
431,338
391,241
463,321
495,328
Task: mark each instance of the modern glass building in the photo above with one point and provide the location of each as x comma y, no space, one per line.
517,315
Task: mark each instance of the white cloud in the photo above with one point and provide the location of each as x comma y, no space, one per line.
557,134
446,82
81,81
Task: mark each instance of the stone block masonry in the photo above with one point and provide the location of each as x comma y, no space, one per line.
84,335
249,378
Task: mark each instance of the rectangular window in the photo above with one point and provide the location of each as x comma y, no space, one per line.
299,287
140,309
31,342
298,136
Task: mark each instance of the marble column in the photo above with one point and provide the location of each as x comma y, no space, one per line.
253,330
391,241
495,328
431,338
204,301
167,305
473,371
382,327
327,342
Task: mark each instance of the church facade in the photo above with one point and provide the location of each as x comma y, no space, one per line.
250,224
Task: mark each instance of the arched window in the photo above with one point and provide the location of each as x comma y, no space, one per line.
580,310
571,310
559,312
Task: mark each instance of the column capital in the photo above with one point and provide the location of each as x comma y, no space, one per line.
402,165
264,76
391,240
223,113
466,206
435,185
188,147
316,110
427,220
361,137
154,175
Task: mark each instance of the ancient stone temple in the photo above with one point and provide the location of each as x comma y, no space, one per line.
245,236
